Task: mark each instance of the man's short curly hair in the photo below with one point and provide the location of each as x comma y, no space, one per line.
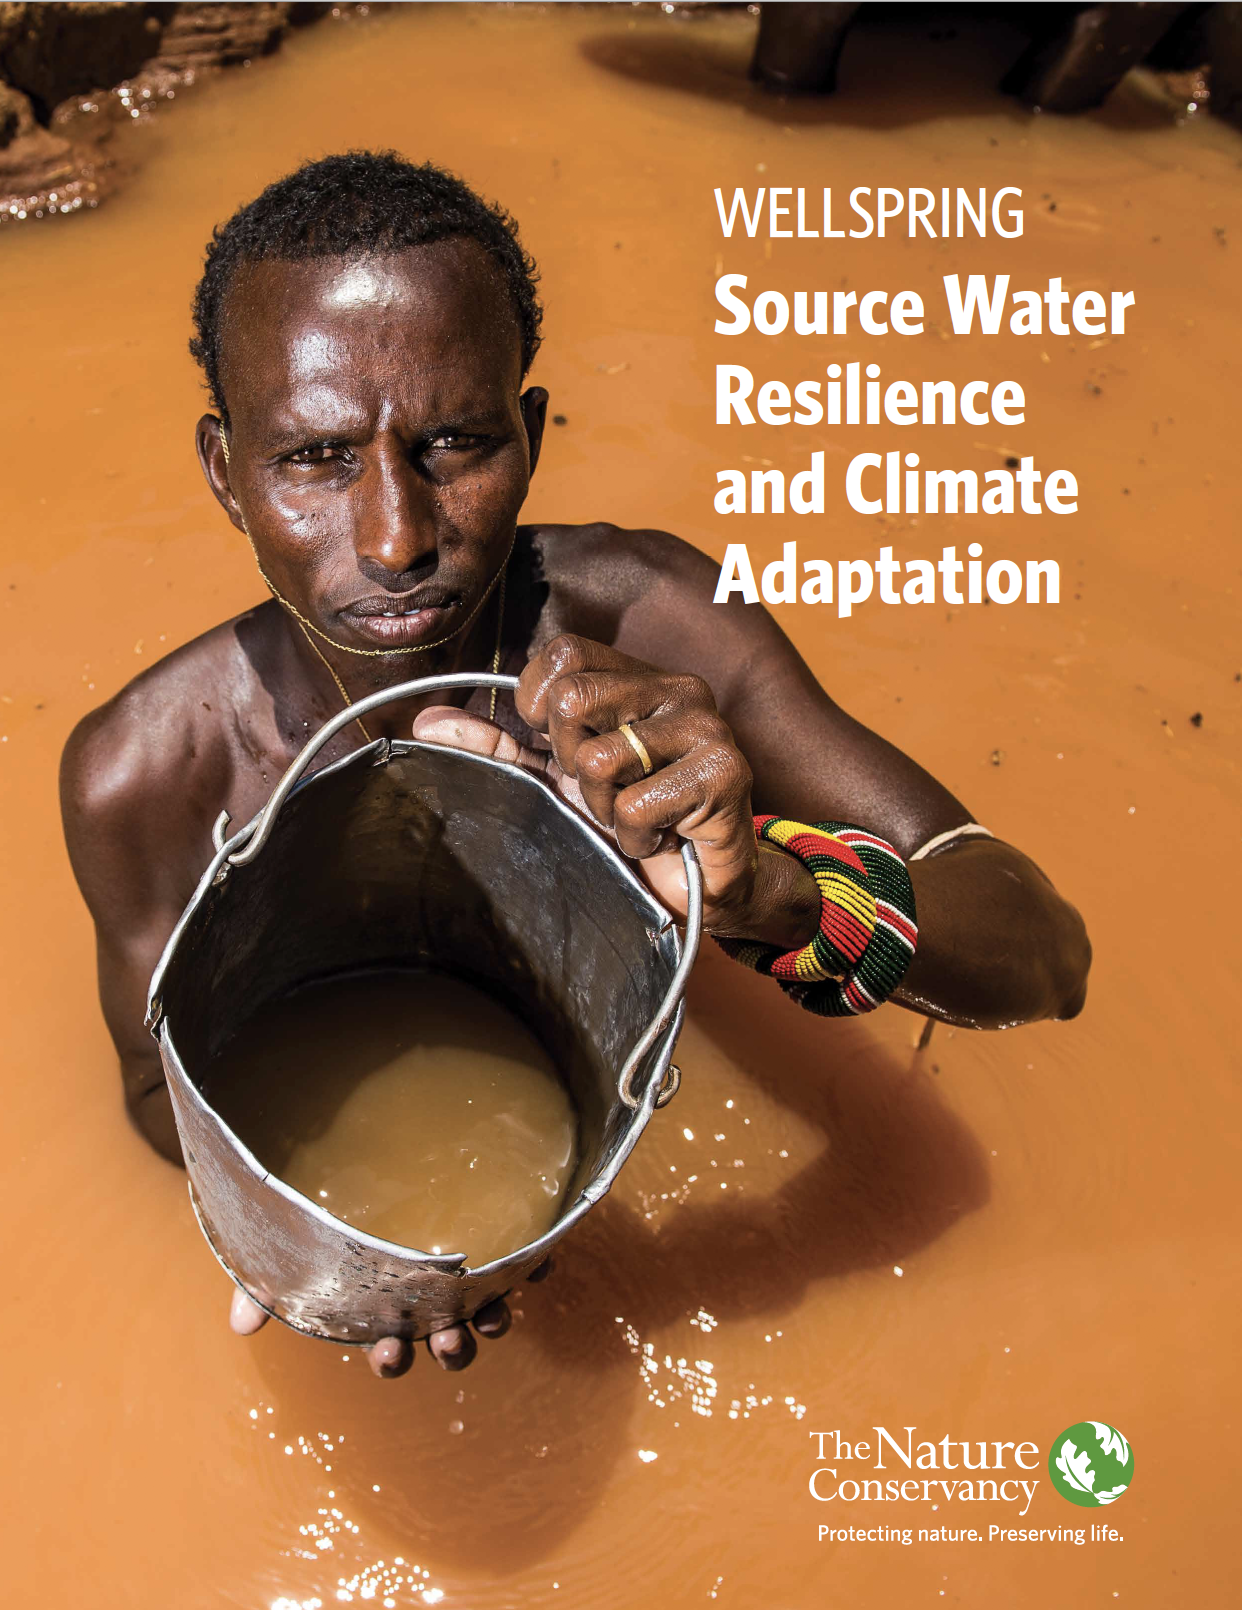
358,204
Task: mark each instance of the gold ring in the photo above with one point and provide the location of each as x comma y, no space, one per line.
638,746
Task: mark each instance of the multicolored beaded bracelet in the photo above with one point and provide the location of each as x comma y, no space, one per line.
867,932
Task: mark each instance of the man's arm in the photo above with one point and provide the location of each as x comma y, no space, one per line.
132,828
998,945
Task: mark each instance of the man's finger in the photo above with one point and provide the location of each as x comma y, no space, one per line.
565,656
245,1315
390,1357
607,762
704,797
493,1319
581,704
457,729
586,703
453,1348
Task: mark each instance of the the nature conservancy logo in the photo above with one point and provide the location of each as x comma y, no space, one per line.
1091,1463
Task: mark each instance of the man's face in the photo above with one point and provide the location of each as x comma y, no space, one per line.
380,449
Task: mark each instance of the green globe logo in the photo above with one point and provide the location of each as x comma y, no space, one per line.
1091,1463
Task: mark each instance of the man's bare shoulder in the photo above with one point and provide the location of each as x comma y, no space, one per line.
652,595
608,561
163,740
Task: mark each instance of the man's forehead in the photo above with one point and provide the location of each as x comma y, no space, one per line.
430,299
370,282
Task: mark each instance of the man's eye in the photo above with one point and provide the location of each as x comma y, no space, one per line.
453,438
316,453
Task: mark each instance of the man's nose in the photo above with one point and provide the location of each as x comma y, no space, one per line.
395,526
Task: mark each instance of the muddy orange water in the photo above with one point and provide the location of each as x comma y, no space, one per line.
411,1104
993,1238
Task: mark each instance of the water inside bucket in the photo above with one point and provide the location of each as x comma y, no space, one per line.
411,1104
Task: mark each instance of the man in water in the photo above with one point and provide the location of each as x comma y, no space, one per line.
366,328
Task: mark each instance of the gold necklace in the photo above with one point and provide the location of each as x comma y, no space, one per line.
307,627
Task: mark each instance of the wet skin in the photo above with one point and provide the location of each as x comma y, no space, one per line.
380,449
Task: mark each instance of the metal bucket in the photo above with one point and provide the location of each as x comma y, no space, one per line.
413,855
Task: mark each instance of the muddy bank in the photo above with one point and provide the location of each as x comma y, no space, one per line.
72,74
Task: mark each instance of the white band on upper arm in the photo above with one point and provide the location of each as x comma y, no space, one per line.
966,831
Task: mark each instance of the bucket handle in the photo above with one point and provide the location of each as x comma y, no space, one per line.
261,830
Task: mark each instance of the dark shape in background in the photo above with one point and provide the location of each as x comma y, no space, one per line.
1076,57
71,74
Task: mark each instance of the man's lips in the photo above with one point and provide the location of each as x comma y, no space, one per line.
410,603
396,622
